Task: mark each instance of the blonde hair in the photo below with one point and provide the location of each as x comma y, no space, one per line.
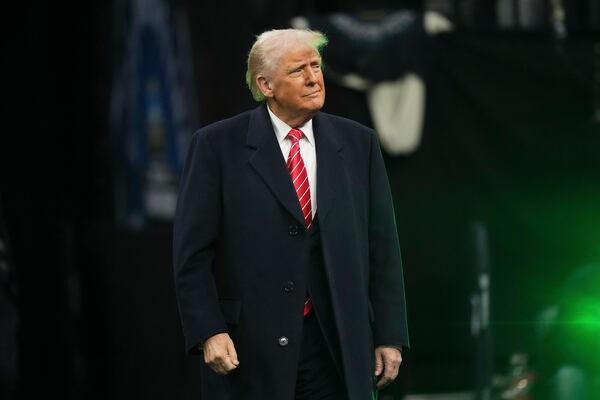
267,50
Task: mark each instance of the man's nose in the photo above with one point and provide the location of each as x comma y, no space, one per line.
310,76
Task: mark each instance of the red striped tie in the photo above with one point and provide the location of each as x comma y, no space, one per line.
299,177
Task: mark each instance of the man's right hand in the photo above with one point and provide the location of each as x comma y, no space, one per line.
219,354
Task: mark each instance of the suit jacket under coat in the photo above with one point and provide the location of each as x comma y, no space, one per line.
239,237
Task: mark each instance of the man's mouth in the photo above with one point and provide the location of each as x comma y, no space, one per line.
313,94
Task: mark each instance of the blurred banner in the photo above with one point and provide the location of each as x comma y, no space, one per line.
152,110
388,56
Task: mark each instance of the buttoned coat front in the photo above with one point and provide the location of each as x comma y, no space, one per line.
240,240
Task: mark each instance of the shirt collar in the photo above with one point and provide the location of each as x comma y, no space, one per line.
282,129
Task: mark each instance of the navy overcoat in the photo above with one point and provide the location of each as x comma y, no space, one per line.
239,238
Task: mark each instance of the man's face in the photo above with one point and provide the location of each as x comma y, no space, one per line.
295,91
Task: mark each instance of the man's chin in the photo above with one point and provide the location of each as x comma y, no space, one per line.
315,104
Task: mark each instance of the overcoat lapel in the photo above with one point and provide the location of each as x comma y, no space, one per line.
270,165
330,170
268,161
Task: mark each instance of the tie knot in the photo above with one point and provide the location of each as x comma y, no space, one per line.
295,134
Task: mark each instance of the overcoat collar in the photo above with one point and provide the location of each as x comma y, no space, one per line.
270,165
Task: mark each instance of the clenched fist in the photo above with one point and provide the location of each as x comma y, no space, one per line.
387,360
219,354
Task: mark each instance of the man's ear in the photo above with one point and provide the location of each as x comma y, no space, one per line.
264,86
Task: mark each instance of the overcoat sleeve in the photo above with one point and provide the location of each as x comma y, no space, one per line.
386,282
195,237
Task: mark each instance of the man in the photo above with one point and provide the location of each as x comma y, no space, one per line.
287,263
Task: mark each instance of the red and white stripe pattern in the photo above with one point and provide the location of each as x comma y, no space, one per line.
299,177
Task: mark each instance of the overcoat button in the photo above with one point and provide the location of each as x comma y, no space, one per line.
289,287
283,341
293,230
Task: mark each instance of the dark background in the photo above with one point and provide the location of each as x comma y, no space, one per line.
510,142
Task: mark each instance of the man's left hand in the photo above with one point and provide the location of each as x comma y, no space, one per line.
387,361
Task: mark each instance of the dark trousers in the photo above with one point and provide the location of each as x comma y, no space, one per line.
318,378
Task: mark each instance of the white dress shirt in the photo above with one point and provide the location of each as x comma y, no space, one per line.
307,151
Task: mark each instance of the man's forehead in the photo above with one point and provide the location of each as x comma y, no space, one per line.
300,54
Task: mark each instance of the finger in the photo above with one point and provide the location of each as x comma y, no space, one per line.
378,363
215,358
217,368
391,372
383,382
221,367
232,353
223,364
228,365
392,364
391,368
